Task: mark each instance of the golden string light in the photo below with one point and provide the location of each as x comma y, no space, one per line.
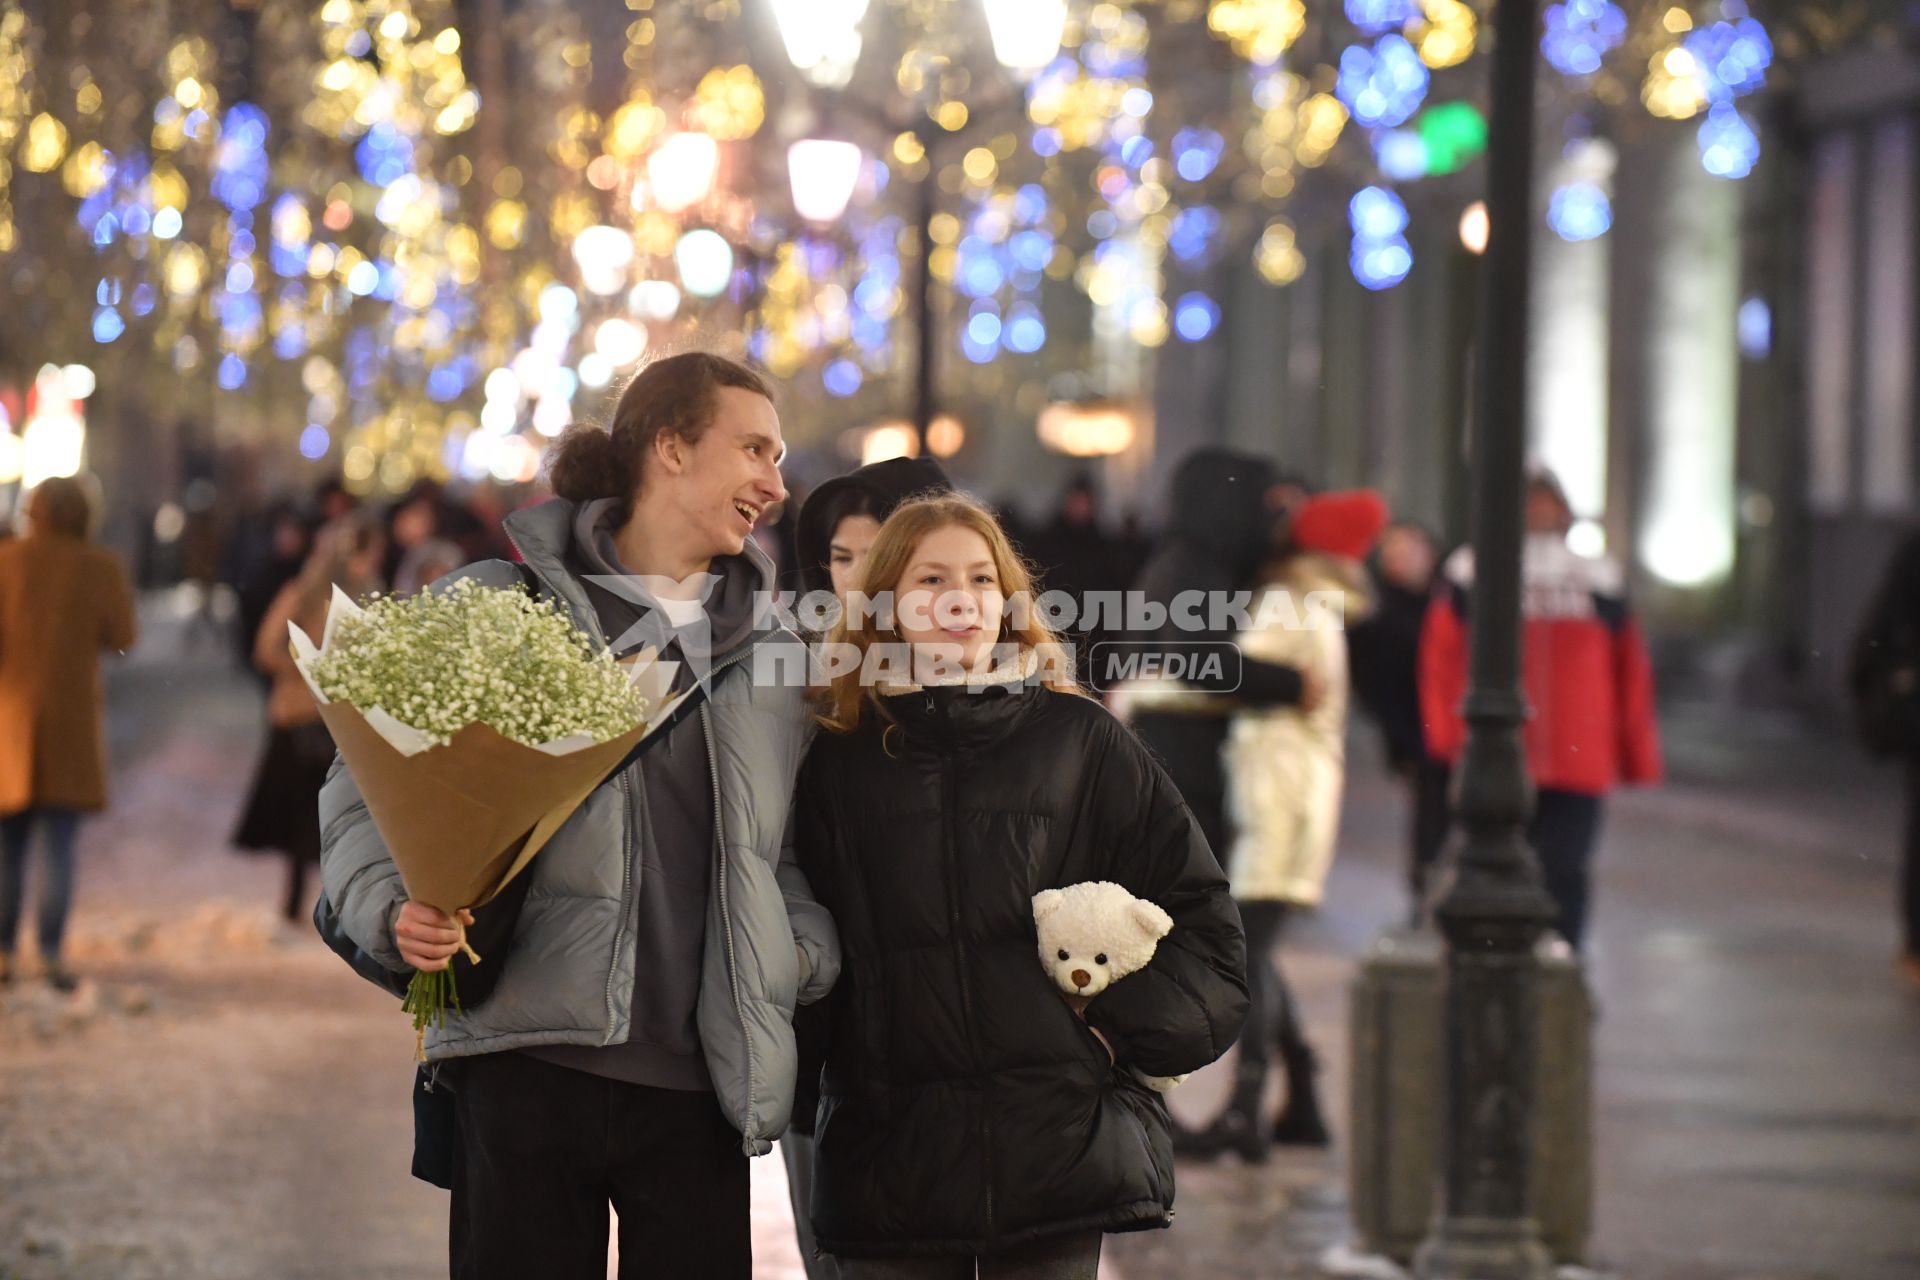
1259,30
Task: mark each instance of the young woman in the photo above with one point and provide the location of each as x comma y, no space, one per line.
1285,770
282,813
968,1117
836,528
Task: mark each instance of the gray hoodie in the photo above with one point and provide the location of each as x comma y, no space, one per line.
673,803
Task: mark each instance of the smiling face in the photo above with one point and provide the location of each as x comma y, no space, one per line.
949,602
722,484
847,551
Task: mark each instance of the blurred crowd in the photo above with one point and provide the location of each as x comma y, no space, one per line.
1262,768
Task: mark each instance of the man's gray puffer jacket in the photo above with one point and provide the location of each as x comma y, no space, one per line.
569,974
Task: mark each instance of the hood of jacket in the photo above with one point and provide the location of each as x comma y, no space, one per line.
1220,506
886,485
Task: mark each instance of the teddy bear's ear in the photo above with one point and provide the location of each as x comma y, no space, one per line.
1156,922
1046,902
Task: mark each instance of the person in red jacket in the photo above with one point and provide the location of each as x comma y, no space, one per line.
1588,684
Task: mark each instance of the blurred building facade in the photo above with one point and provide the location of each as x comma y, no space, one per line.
1725,380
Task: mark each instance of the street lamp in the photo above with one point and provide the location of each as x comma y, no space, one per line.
1496,909
822,37
824,174
1026,33
1026,36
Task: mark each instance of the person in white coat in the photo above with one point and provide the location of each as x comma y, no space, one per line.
1285,769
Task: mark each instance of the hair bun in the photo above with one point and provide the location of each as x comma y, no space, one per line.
587,464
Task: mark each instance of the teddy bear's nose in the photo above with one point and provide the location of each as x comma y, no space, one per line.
1080,977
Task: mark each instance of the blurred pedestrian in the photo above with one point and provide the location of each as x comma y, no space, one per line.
1076,556
835,527
331,500
63,599
1286,768
1885,681
1384,651
282,811
1587,681
202,540
426,564
417,517
271,554
1221,535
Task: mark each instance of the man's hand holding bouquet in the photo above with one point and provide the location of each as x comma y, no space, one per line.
475,721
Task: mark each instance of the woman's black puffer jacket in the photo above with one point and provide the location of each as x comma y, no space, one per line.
964,1107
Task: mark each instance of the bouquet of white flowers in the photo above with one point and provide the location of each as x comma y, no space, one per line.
475,721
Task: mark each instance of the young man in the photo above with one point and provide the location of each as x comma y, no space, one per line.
637,1047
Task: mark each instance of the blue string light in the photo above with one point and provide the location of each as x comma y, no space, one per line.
842,378
1376,213
1196,153
1580,33
233,372
1195,316
240,168
107,325
1380,257
1025,331
1732,57
1381,264
978,273
1384,85
1193,233
1401,155
1729,148
1375,17
385,155
1579,211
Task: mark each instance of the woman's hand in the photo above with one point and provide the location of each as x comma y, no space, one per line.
427,936
1079,1006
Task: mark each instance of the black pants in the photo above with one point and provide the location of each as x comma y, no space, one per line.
1273,1020
1910,870
1071,1257
1427,782
1566,826
542,1151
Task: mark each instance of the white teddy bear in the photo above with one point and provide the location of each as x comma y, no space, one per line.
1094,934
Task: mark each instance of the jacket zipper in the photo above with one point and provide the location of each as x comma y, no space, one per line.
947,794
726,913
628,826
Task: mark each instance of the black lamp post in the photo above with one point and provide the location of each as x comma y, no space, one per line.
1496,909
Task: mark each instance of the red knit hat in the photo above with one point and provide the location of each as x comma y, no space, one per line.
1340,524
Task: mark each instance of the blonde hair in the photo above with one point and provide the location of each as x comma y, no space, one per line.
848,694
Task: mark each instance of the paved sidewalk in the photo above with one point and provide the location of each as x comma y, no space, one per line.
225,1100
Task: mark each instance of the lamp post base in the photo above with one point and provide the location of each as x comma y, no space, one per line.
1483,1249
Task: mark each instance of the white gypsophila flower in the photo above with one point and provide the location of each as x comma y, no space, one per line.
439,661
